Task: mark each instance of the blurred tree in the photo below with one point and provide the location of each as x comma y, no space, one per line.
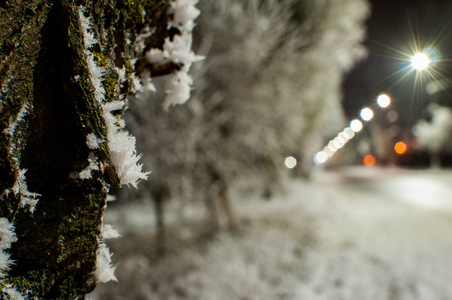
269,88
66,68
434,136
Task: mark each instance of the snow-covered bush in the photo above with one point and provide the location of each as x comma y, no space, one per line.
269,88
434,136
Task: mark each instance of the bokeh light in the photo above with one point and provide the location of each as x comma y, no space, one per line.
420,61
290,162
328,151
400,147
332,147
366,114
349,132
383,100
356,125
369,160
392,116
320,157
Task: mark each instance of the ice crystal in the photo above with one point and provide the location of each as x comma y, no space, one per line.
121,144
20,188
92,141
178,50
12,293
108,232
12,127
122,149
7,236
93,165
105,272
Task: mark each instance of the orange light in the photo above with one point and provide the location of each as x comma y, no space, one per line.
369,160
400,147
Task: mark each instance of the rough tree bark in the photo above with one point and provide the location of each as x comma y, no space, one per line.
47,109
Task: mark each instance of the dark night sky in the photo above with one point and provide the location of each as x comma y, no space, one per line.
391,27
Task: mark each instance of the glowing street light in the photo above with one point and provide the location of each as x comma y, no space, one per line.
369,160
332,146
383,100
420,61
320,157
328,151
400,148
349,132
366,114
356,125
290,162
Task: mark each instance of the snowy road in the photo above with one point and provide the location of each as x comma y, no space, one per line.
389,236
355,234
429,189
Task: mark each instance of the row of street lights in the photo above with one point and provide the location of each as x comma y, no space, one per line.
349,132
419,62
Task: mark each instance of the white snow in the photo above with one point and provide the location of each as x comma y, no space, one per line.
105,272
108,232
11,128
7,236
12,293
435,135
93,165
178,50
92,141
20,188
185,13
122,148
5,85
96,72
344,236
121,144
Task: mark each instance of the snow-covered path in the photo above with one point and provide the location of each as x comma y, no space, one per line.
357,234
390,237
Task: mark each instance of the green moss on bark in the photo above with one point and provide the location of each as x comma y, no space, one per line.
43,66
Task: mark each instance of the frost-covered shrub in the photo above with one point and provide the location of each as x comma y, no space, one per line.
434,136
269,88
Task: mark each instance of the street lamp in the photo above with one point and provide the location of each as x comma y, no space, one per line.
383,100
420,61
366,114
320,157
290,162
356,125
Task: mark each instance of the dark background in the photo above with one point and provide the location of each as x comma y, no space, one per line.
392,27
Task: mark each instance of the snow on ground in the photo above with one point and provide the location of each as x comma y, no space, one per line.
379,246
344,235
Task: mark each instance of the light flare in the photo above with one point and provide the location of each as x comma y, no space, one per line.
420,61
383,100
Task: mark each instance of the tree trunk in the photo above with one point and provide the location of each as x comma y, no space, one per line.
48,108
160,194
